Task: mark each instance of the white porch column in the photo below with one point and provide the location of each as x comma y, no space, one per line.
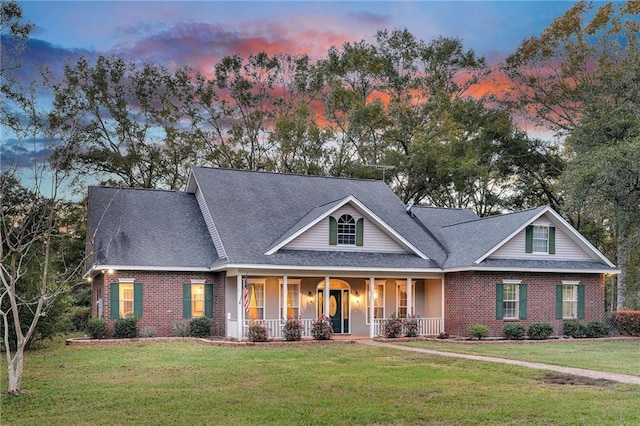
240,305
442,307
325,302
284,298
409,297
371,296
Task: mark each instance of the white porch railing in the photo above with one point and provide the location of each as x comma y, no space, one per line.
426,326
274,327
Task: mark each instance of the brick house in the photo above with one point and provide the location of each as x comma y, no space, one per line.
240,246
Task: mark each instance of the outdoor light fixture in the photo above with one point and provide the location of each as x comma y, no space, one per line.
357,295
310,296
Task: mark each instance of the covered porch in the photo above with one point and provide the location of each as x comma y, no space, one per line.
356,306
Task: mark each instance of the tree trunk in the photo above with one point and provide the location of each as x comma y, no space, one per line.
622,250
15,371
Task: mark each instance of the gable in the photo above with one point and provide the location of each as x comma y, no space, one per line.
317,237
565,247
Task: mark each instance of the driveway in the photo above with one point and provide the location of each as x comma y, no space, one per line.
620,378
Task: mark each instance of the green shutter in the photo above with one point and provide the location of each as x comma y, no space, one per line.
208,300
552,240
115,301
499,301
581,301
137,299
523,301
360,232
529,239
186,300
333,231
559,301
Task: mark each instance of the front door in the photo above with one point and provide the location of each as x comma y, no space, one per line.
338,309
335,310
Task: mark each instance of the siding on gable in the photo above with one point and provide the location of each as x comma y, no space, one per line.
566,249
317,237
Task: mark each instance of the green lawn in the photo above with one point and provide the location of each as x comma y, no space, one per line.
184,382
614,356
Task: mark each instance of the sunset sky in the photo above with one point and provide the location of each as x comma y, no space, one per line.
199,33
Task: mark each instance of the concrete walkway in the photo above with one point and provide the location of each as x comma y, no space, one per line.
621,378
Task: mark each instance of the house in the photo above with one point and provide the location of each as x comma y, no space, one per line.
310,246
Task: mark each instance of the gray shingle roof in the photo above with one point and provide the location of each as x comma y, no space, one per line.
142,227
468,241
254,210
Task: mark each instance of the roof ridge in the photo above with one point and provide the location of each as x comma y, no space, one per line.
267,172
135,188
497,216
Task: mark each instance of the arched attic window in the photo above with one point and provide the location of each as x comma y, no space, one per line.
346,231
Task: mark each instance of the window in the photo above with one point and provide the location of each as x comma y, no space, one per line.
125,299
197,299
378,301
293,299
346,231
540,239
402,299
511,300
256,300
570,300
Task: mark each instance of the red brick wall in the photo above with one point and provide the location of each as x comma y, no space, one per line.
162,298
470,298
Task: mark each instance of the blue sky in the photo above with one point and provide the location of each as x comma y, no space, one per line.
197,33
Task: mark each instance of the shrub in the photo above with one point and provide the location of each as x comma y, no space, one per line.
393,327
126,328
540,330
627,322
321,329
148,331
513,331
574,328
411,326
257,332
292,329
200,327
180,328
79,315
96,328
479,331
597,329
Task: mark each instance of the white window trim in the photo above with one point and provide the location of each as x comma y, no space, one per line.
355,230
517,300
263,283
413,298
533,240
384,294
295,281
575,285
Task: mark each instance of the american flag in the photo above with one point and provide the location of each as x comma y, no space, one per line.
245,294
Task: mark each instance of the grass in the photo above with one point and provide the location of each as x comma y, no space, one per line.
184,382
620,356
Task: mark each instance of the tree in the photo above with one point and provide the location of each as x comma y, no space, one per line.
604,171
579,78
124,124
